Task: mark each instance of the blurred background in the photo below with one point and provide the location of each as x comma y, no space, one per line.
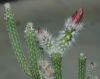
51,14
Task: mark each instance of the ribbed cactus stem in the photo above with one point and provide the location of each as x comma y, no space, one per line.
82,66
13,35
30,38
40,53
65,40
56,59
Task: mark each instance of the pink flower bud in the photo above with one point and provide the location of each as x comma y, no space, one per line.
77,16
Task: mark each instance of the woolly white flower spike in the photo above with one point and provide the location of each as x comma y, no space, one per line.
45,69
45,39
71,29
91,71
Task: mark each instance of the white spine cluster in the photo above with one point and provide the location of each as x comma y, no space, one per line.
7,5
64,40
67,35
45,69
29,27
45,39
69,25
91,71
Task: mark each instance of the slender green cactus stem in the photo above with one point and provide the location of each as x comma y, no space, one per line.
31,42
13,35
56,62
82,66
67,37
40,52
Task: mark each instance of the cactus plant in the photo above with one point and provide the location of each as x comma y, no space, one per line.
39,42
82,66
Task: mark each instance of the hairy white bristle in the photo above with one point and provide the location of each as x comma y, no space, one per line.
46,69
81,54
29,27
7,5
30,23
